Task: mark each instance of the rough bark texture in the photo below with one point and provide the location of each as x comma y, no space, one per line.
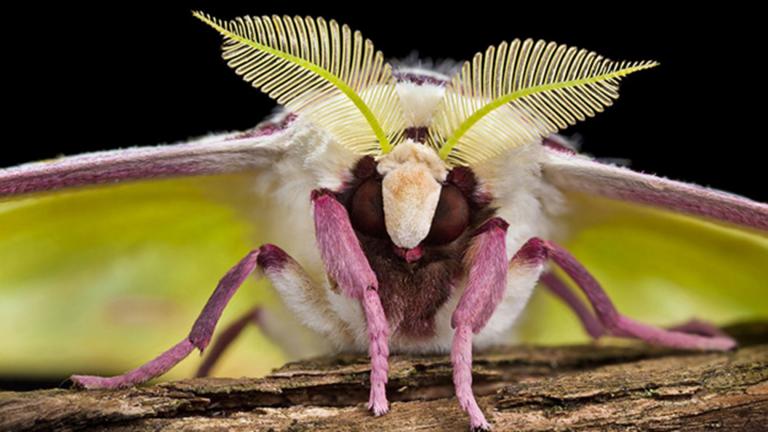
524,388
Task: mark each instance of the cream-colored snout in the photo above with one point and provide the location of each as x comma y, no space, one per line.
411,190
410,195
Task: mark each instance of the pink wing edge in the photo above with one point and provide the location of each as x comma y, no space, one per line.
213,154
574,172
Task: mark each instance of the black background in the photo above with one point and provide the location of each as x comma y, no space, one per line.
83,78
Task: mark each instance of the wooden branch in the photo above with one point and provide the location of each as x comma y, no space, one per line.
524,388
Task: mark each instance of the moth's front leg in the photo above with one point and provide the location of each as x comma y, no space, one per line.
486,260
347,266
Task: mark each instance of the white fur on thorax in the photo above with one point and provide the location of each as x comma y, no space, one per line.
419,102
522,197
284,218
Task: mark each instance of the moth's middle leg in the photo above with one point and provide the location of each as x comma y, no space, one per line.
301,296
596,329
268,257
693,335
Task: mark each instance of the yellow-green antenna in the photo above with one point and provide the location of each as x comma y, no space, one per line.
519,92
320,70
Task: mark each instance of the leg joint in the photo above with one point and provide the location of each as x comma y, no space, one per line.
271,257
535,251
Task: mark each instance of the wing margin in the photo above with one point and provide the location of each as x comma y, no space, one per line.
222,153
578,173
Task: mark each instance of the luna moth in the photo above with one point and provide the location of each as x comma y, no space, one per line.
412,211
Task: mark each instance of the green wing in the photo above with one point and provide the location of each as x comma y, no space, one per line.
101,280
658,266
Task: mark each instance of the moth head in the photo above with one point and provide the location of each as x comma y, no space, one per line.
407,197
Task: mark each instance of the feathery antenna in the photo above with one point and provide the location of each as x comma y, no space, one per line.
519,92
323,71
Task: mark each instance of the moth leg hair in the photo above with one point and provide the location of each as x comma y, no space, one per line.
692,335
268,257
593,326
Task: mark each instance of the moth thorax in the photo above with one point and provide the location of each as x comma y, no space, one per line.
412,176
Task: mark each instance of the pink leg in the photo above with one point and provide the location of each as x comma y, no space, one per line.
461,359
378,350
202,330
619,325
226,338
348,267
560,289
158,366
595,329
700,328
487,279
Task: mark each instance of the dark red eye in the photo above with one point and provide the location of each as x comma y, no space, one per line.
367,209
451,216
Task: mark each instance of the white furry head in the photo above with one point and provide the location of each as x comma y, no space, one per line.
411,190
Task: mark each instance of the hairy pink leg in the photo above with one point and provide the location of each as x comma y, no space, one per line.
349,269
486,281
378,349
225,339
560,289
619,325
461,359
202,330
595,329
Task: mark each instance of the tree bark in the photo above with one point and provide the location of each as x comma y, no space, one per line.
587,387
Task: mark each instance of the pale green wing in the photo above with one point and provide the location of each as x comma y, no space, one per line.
699,253
105,264
101,280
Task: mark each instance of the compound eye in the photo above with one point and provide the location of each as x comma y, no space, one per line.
367,209
451,216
